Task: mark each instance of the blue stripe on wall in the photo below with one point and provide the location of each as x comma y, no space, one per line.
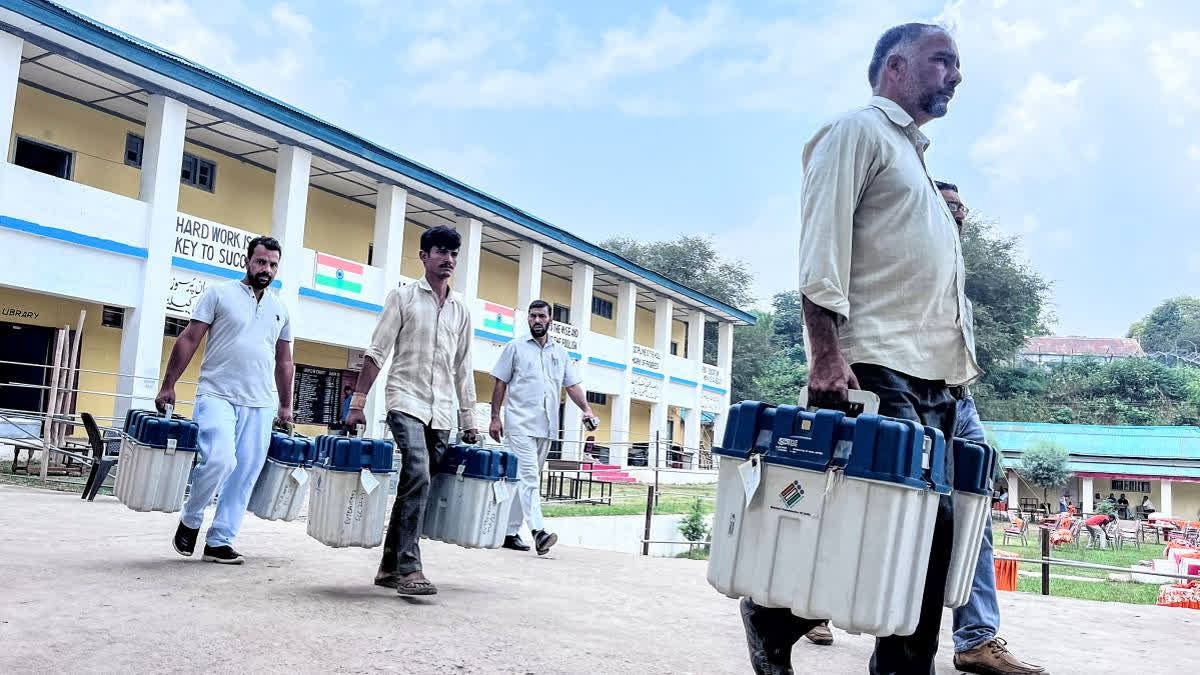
648,373
337,299
680,380
606,364
715,390
73,237
494,337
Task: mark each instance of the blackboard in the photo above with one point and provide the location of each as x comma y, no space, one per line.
317,398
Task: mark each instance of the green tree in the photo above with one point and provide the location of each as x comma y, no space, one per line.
694,526
1171,326
1045,465
789,321
1008,296
781,377
752,347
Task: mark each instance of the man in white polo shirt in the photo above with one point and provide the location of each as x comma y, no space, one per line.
245,384
533,372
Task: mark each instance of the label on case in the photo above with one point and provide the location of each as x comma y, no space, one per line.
368,481
300,476
751,474
171,445
500,490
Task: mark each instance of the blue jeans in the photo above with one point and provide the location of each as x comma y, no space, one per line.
979,620
233,447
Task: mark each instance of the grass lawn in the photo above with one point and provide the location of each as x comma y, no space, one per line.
630,500
1105,591
58,483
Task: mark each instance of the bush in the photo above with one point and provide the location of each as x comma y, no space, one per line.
693,526
1045,465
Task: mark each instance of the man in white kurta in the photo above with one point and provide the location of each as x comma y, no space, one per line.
533,371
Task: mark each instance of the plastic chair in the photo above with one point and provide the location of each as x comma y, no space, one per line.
101,462
1127,530
1017,531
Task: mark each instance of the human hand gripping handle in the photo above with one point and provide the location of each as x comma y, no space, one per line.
165,398
829,376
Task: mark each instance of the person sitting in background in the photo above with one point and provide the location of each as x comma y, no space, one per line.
1147,505
1062,504
1123,506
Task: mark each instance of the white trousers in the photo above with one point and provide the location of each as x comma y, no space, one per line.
531,455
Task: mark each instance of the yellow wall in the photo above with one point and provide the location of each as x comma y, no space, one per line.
498,279
97,139
1185,500
604,413
337,226
600,324
557,291
411,257
639,422
678,334
242,197
643,327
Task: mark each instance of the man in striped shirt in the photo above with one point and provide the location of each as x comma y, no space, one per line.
426,329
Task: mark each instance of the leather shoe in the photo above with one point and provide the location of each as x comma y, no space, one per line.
514,542
820,634
993,658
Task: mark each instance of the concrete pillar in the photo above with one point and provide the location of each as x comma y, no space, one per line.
529,282
1165,505
582,281
288,212
1089,501
618,452
664,309
390,206
10,71
1014,484
142,335
695,349
466,280
658,431
691,429
725,348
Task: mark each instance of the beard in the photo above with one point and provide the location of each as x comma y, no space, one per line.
538,330
936,103
260,282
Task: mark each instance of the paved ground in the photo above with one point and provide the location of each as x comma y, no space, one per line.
96,587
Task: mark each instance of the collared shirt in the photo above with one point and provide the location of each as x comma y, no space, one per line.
879,247
430,346
239,356
536,375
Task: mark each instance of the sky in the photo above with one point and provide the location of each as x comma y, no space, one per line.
1077,125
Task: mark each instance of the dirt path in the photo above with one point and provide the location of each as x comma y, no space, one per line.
96,587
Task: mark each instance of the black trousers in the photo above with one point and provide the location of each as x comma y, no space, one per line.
421,448
930,403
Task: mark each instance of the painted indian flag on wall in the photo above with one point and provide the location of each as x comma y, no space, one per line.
498,318
338,276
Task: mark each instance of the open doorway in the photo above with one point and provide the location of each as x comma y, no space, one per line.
24,344
44,158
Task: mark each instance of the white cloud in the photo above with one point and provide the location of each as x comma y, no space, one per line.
290,20
473,164
1173,60
1019,34
1040,128
1194,151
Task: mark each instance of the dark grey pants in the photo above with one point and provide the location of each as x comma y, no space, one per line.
421,448
930,403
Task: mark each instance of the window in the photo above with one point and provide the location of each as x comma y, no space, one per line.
597,398
674,348
174,326
44,158
561,314
133,150
602,307
112,317
195,171
1131,486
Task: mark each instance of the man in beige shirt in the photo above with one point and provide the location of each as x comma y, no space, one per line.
881,273
430,390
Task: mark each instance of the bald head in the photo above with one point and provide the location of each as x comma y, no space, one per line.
895,40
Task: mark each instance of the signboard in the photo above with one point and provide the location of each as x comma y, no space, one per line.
645,388
204,242
354,359
566,335
647,358
320,394
711,401
712,375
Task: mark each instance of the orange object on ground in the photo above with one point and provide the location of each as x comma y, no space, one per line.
1006,570
1180,595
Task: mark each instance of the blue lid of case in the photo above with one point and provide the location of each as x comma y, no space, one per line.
812,440
342,453
292,449
887,449
974,464
476,462
742,428
156,431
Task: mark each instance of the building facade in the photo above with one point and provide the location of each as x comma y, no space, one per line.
134,178
1162,463
1053,349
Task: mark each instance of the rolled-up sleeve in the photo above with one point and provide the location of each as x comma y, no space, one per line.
836,164
464,375
383,340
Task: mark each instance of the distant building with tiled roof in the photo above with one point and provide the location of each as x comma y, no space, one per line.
1053,349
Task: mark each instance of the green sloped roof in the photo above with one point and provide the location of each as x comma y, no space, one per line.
1166,443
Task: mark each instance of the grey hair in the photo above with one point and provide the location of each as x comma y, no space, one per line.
895,39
